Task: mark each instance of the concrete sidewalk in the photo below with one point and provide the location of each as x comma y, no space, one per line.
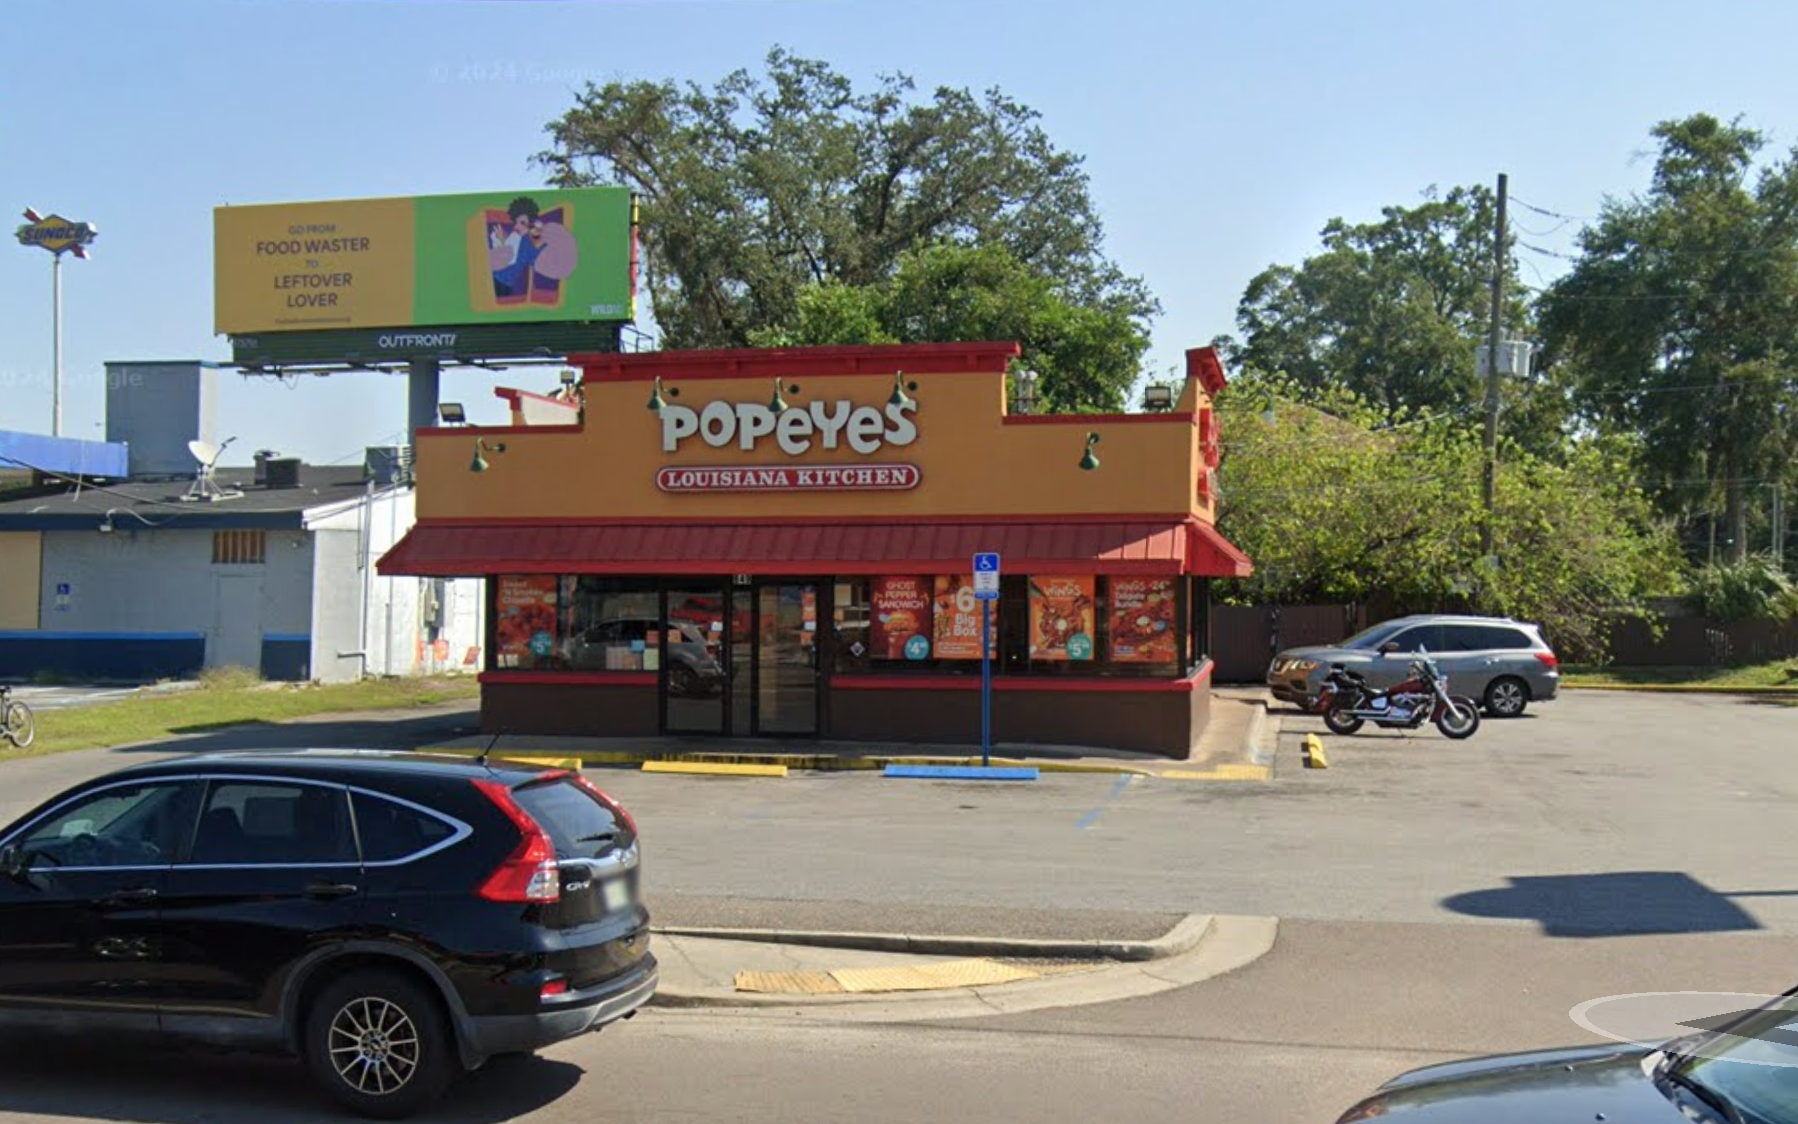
941,976
1237,744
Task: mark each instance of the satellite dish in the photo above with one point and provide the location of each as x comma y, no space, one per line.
205,452
204,487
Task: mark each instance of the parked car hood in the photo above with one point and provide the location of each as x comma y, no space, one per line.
1579,1084
1322,653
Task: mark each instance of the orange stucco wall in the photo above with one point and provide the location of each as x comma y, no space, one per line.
973,460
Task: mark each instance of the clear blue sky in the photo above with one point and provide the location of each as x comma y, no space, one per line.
1220,136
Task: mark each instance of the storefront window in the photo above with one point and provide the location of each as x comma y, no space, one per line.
852,616
1044,624
1198,633
610,624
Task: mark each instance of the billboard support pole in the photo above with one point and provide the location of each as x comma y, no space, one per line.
423,376
56,345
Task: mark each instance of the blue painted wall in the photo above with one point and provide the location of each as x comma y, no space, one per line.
134,657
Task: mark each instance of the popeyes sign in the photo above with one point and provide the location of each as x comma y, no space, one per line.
796,431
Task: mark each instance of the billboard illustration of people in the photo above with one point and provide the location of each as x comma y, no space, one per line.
530,251
531,255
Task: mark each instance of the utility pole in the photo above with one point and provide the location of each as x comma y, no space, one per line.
1779,530
1490,489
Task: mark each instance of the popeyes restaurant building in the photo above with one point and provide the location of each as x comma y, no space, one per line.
779,543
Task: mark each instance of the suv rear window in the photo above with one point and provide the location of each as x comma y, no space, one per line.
1486,637
580,826
391,831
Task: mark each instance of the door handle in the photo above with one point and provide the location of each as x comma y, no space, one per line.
131,897
328,891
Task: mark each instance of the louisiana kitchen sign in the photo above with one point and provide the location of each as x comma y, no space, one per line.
789,478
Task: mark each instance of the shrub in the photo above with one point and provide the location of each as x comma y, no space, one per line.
1755,589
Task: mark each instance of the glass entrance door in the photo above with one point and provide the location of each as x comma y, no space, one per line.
786,659
694,684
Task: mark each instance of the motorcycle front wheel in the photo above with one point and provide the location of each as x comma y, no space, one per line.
1341,720
1459,719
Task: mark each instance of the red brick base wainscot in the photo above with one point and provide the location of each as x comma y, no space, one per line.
1159,716
607,704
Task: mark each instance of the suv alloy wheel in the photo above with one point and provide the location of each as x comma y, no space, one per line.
378,1044
1506,697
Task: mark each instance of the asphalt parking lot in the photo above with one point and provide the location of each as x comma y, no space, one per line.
1600,812
1436,899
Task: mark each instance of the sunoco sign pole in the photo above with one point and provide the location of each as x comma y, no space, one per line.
59,236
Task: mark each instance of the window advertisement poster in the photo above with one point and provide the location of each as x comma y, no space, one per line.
900,629
1142,620
957,619
1063,616
527,620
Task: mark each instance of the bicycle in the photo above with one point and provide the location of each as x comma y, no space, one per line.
16,724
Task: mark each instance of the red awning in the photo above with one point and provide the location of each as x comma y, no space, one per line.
463,549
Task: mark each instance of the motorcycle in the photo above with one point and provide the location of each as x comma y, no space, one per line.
1347,702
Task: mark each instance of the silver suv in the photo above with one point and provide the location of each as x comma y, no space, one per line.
1504,663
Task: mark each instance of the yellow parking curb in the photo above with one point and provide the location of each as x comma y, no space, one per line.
1315,757
1228,772
714,769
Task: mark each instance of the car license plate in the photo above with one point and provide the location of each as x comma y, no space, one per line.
616,894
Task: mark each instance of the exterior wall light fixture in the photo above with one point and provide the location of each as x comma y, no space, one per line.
452,413
899,397
479,464
777,404
1090,461
655,395
1158,397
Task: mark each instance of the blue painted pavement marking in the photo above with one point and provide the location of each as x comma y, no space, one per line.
963,772
1117,789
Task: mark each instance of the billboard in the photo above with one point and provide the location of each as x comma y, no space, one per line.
531,256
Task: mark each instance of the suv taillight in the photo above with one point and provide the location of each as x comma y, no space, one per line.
529,873
1550,659
612,805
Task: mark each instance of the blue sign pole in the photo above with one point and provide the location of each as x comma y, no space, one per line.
986,684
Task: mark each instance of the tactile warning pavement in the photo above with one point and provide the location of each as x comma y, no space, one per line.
939,976
790,983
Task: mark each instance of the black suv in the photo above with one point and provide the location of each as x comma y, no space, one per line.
393,919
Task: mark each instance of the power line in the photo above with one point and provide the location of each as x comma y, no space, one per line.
1546,213
1556,229
1619,297
1545,252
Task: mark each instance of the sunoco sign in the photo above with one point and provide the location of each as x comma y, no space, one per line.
56,234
